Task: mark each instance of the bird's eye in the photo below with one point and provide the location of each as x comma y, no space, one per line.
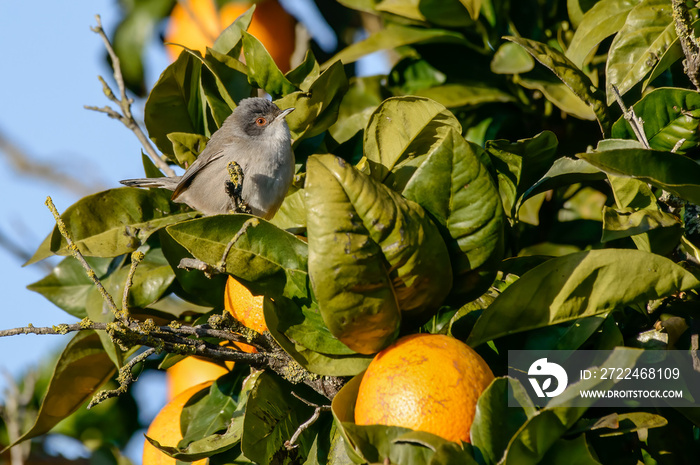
261,121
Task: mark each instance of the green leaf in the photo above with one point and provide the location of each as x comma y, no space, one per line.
571,451
450,13
561,96
269,260
520,165
68,285
114,222
229,41
465,94
578,285
306,72
669,115
359,102
174,103
316,109
564,172
187,147
213,412
194,287
292,214
604,19
262,70
570,75
80,371
672,172
149,168
357,227
629,222
673,53
511,59
272,416
286,321
648,32
495,422
401,133
456,189
394,36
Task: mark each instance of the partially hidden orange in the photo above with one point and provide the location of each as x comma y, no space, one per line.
196,24
165,428
426,382
244,306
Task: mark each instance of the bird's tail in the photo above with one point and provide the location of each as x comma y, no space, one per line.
165,182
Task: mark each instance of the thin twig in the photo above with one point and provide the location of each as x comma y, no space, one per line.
79,256
250,223
678,145
635,122
125,378
124,103
291,443
136,258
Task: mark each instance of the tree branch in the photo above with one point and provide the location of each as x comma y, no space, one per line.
124,103
689,43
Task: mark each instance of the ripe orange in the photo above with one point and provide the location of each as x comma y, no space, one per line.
165,428
189,372
426,382
244,306
196,24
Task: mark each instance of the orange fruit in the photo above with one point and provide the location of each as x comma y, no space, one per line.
426,382
165,428
244,306
191,371
196,24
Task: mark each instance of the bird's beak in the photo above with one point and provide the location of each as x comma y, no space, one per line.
285,112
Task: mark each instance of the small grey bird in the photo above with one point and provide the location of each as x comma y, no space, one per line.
255,136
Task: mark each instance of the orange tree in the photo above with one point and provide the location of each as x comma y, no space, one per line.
489,189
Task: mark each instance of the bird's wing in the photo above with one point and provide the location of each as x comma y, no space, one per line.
201,161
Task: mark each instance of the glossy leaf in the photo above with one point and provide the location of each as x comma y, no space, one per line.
648,32
495,422
80,371
174,104
570,75
628,222
267,258
561,96
187,147
578,285
262,70
391,37
317,351
672,172
473,6
230,42
604,19
456,189
669,115
564,172
114,222
316,109
272,416
416,127
68,285
465,94
575,451
356,227
520,165
450,13
362,98
510,58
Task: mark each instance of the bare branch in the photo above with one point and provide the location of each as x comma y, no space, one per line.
291,443
136,258
125,378
124,103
